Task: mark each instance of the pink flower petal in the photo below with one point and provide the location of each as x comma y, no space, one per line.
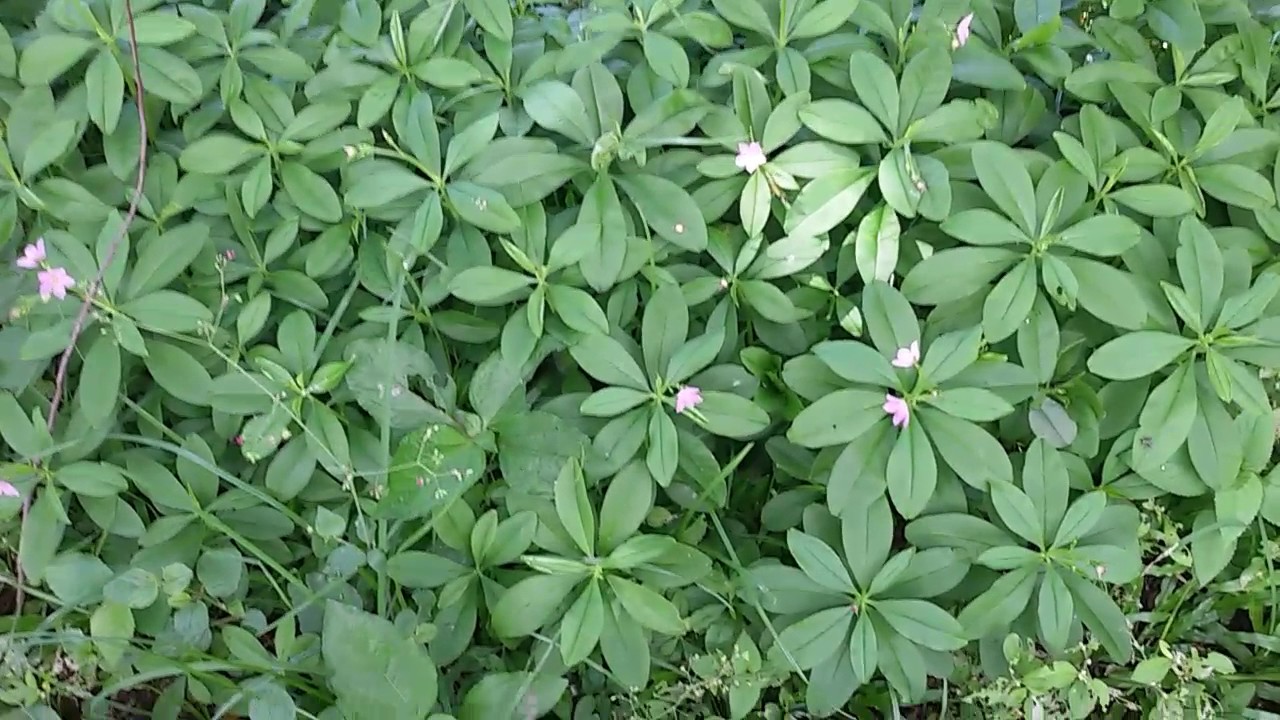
32,255
897,410
963,30
750,156
687,398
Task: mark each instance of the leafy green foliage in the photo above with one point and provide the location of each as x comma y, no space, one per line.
639,358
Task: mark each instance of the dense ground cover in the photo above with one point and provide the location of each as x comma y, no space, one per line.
395,359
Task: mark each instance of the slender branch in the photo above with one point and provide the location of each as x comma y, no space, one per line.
91,292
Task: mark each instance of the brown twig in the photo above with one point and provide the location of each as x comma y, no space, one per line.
60,379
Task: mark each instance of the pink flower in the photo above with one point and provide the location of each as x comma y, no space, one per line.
688,398
238,440
962,31
32,255
7,489
54,282
908,356
750,156
897,408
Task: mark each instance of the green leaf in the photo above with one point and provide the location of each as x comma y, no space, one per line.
47,147
502,695
310,192
162,258
664,451
876,86
577,309
1236,185
42,534
606,360
555,106
912,471
1017,512
1201,268
857,363
613,401
1178,23
876,245
665,326
981,226
1108,294
816,638
376,670
219,571
925,80
956,273
826,201
747,14
1101,616
530,604
1055,610
976,404
1102,235
1166,419
1051,423
1246,307
1080,518
837,418
492,15
1137,354
489,286
1005,178
417,569
923,623
168,311
666,58
482,207
574,508
50,55
843,121
626,503
99,380
647,607
582,624
755,204
732,416
889,318
218,154
374,183
996,608
160,28
819,562
111,626
864,653
1154,200
178,373
1010,301
950,355
1152,671
668,209
970,451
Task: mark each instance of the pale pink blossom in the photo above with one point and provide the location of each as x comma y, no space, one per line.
898,410
7,489
963,28
908,356
750,157
688,398
54,282
32,255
